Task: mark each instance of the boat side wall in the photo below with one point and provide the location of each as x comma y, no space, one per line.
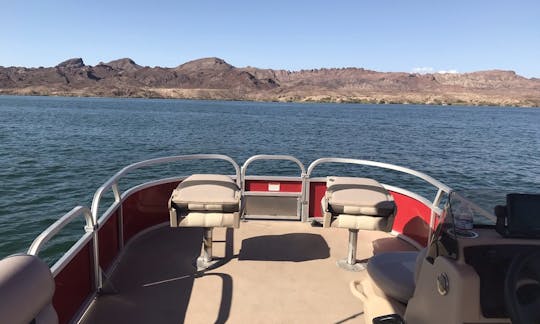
141,209
317,190
412,218
74,284
146,208
109,245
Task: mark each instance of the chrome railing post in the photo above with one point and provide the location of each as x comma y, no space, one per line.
98,280
304,213
434,206
118,200
242,190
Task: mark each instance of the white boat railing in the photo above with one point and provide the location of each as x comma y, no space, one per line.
93,221
418,174
266,157
270,157
90,234
112,183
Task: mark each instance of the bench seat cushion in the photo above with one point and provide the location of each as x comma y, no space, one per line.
209,219
368,223
207,193
394,273
358,196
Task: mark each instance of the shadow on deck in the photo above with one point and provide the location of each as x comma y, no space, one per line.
292,247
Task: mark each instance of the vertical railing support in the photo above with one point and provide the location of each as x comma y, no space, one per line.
98,280
434,206
304,213
120,211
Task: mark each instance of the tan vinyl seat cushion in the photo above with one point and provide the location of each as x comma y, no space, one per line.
368,223
26,290
358,196
209,219
396,273
207,192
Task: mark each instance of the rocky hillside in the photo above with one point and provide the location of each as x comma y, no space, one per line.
213,78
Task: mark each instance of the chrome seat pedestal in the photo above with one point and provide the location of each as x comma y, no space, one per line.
205,261
350,263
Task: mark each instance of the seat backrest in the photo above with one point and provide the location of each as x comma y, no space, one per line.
26,290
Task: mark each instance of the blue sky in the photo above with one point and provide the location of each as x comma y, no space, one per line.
381,35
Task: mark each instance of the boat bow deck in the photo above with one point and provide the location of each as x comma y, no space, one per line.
268,272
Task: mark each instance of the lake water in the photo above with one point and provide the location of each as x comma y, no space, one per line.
55,152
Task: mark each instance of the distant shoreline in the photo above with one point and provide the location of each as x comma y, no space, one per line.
215,79
271,101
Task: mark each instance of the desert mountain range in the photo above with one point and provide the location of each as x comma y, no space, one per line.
213,78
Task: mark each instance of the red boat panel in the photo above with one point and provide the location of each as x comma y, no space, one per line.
284,186
316,193
74,284
146,208
108,241
412,218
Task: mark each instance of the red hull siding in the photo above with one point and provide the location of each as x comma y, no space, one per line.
412,218
284,186
74,284
316,193
108,241
146,208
